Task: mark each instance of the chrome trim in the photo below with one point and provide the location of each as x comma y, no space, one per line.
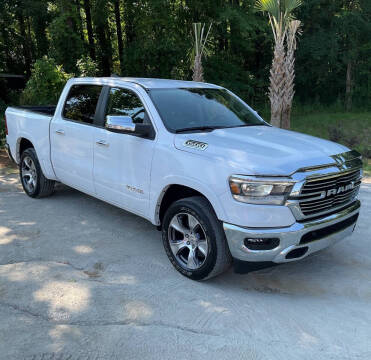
289,237
120,123
344,163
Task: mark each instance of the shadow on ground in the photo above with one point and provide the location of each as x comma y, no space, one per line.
82,279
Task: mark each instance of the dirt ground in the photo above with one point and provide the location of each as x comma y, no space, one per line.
81,279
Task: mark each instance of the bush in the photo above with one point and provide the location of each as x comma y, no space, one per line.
45,84
87,67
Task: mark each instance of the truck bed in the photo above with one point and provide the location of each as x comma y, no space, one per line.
42,109
31,123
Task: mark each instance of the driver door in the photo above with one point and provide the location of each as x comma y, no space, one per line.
122,162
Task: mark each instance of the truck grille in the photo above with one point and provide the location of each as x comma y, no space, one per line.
326,193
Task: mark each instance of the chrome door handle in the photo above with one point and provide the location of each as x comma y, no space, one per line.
102,143
60,132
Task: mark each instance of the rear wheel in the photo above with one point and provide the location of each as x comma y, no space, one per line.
34,183
194,239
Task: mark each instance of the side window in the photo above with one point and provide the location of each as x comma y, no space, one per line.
125,102
81,103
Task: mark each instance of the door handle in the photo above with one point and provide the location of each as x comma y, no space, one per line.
102,143
60,132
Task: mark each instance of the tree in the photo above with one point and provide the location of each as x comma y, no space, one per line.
120,43
89,29
288,96
102,30
26,46
45,84
200,42
67,46
280,13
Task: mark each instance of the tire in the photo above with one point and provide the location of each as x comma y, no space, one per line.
198,251
34,183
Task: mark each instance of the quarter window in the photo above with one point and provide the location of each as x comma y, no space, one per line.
81,103
124,102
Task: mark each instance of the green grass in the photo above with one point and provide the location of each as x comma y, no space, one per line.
350,129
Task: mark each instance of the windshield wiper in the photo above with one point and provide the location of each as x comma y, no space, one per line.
199,128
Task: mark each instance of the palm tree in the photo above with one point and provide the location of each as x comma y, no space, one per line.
293,30
199,50
280,13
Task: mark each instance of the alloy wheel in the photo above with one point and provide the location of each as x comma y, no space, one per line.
29,174
188,241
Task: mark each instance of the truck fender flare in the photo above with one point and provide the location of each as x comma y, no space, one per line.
192,184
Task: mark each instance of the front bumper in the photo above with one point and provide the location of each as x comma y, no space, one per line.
7,149
296,241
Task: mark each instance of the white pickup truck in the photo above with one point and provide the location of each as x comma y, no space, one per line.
196,161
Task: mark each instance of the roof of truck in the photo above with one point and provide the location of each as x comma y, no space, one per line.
149,83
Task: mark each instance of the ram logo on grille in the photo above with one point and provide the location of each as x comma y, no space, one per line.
339,190
196,144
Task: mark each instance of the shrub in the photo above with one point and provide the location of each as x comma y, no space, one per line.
87,67
45,84
335,132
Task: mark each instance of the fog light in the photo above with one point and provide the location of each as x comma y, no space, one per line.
261,243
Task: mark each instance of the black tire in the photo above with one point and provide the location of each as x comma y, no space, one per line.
43,187
218,257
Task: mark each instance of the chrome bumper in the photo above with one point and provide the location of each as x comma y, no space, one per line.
289,237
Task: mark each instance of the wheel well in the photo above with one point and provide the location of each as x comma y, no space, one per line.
174,193
23,145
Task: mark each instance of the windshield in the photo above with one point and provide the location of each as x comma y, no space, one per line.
202,109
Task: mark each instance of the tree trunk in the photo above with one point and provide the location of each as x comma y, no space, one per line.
129,24
198,73
89,28
289,91
102,30
277,77
286,117
39,18
119,34
25,47
348,88
80,27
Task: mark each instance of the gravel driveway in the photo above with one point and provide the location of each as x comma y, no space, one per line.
80,279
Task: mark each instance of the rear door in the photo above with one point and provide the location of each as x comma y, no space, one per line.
122,162
72,134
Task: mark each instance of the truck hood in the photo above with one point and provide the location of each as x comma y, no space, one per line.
260,150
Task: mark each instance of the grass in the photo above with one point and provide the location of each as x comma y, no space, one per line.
350,129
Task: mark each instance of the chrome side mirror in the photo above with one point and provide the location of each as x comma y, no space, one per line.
125,125
120,123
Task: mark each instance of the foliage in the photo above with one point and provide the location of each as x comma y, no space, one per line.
87,67
282,73
45,84
66,43
157,35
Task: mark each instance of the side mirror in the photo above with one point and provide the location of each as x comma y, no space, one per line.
124,124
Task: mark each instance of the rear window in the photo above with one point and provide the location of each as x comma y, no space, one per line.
81,103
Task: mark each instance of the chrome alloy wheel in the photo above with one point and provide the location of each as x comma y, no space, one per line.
188,241
29,174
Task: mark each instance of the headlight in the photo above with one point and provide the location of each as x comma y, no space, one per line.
259,191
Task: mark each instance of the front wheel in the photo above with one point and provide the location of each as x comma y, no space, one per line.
34,183
194,239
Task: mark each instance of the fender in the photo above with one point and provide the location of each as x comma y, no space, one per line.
157,196
42,152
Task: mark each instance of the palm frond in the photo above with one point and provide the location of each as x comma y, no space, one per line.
270,6
290,5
